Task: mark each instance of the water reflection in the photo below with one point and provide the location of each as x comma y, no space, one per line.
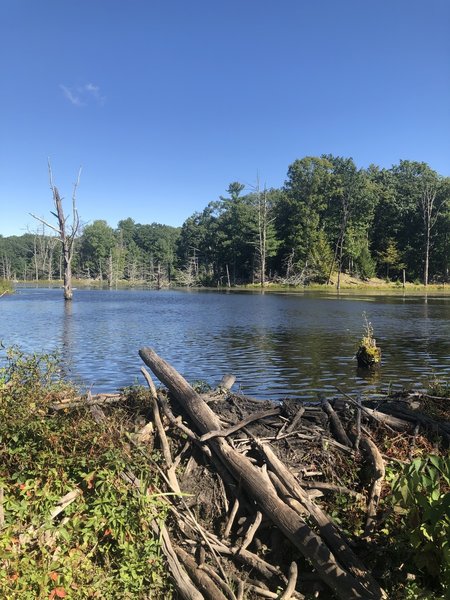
276,344
67,331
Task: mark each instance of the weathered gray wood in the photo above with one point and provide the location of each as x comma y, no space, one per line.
344,584
327,528
185,587
251,419
296,420
370,448
293,572
227,381
336,425
200,578
385,419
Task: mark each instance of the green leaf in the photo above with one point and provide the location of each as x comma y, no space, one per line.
64,534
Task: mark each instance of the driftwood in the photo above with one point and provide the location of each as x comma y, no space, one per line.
379,471
336,424
226,432
329,567
82,401
249,485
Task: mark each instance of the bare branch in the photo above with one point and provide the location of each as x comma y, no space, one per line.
58,231
50,174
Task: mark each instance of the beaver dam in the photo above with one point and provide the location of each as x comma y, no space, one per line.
260,499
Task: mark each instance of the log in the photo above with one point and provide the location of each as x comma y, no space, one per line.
400,412
370,448
385,419
378,416
251,419
344,584
200,578
296,420
227,382
293,573
336,425
327,528
185,587
325,486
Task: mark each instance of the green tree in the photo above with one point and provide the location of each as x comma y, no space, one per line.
389,214
126,230
416,188
263,203
300,209
157,243
96,247
440,258
237,222
391,257
199,247
350,210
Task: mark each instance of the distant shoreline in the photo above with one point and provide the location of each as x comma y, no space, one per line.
349,286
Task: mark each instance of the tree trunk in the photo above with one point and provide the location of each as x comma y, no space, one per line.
427,257
68,293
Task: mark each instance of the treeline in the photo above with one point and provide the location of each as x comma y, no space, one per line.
329,217
132,252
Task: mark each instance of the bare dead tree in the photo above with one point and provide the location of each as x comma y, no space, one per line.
430,212
43,247
339,248
263,206
66,234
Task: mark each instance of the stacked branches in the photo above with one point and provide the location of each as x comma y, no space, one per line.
252,470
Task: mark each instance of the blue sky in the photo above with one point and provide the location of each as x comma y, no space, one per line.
164,103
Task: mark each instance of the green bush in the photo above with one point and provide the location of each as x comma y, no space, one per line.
421,499
102,544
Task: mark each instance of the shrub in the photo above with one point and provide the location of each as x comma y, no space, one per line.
101,544
421,499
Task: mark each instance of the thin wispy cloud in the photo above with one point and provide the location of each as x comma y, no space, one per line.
83,95
71,96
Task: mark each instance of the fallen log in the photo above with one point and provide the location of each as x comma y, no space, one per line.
200,578
226,432
345,585
336,424
377,461
327,528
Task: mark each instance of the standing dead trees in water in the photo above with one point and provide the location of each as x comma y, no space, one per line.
66,234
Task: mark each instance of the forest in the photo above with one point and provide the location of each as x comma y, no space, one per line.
330,217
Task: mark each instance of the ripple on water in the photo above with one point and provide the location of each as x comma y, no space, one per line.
276,345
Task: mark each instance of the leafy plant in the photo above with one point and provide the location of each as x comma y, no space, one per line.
421,497
101,545
439,387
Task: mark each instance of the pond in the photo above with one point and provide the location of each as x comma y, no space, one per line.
277,345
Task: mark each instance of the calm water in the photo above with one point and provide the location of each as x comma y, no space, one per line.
277,345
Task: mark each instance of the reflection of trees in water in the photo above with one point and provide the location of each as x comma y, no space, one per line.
294,360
